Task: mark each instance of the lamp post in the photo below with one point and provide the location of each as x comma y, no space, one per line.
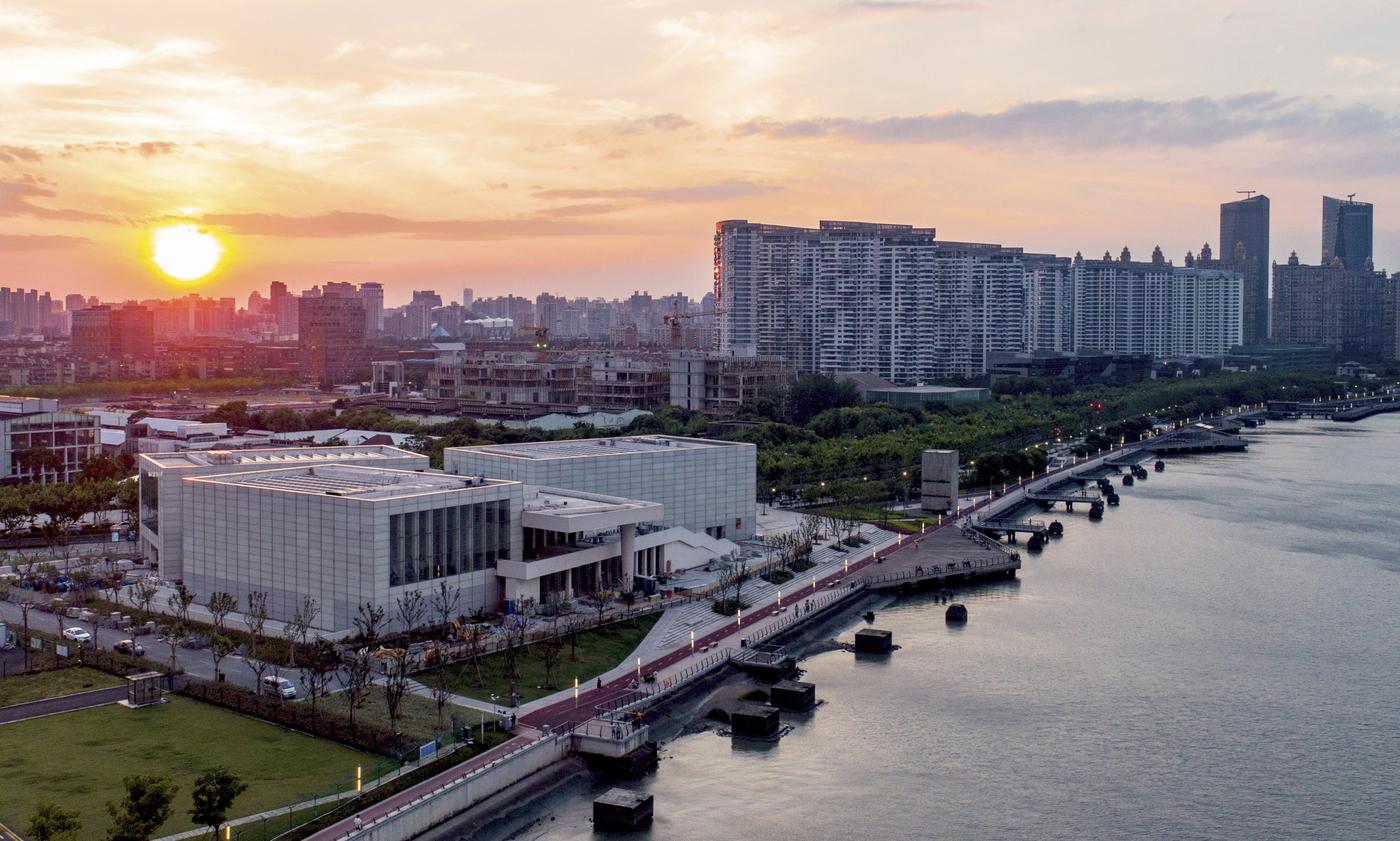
575,690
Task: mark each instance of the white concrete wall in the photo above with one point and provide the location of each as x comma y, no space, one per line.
700,487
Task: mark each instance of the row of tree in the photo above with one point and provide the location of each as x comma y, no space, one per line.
145,808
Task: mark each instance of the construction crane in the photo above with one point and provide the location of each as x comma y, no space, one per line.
541,344
674,320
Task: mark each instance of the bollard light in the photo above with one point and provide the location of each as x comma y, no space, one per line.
357,778
692,642
738,617
814,584
576,690
639,668
780,598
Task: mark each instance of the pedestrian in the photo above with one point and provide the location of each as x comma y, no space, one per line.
600,683
359,824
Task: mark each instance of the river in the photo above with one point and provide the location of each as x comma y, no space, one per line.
1218,658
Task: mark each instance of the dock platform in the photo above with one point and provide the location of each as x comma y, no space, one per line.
947,556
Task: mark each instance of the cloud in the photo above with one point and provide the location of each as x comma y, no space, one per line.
1114,123
17,199
580,210
1356,65
908,6
38,242
718,191
13,154
656,122
341,223
148,149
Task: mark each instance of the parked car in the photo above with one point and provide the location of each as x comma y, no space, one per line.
280,686
131,647
76,635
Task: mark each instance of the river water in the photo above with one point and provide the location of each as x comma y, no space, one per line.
1219,658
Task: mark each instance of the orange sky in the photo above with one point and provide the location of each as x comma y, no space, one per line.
588,148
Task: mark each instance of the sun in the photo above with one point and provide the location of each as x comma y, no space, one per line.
185,252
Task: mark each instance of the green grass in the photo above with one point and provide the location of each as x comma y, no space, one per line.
78,759
599,649
20,689
418,715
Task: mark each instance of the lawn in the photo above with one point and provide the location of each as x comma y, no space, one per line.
79,759
599,649
19,689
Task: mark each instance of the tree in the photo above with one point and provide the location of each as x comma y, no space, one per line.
173,633
445,599
356,677
52,822
179,603
318,666
214,792
303,619
144,809
395,686
256,620
550,649
369,623
476,646
99,467
220,647
128,499
600,600
234,413
36,460
142,595
220,605
409,609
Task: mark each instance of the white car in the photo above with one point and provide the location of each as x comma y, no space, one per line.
280,686
77,635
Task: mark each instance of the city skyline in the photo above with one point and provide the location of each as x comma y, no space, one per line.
445,150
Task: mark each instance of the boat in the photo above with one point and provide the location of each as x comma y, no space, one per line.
870,616
1112,499
1096,511
955,613
1128,479
1036,543
1160,466
1057,529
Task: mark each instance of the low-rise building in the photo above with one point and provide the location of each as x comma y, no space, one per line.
346,535
927,395
39,442
719,383
705,486
163,493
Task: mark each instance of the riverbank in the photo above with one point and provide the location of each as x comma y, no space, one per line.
1180,656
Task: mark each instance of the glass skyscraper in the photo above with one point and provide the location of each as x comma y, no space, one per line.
1247,221
1346,232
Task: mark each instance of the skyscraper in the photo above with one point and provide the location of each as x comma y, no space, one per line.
1247,222
331,331
1346,232
373,296
1331,305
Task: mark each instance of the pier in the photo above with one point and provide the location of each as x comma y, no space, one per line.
947,556
1048,496
1197,438
1011,526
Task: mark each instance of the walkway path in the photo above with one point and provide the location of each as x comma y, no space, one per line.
62,704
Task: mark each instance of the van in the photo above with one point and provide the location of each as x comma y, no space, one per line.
280,686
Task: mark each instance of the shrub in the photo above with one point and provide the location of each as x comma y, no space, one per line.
326,723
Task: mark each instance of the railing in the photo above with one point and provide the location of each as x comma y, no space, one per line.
942,570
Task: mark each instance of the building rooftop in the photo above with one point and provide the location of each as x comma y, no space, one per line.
562,510
277,457
367,483
15,406
590,447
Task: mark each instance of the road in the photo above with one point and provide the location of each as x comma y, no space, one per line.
195,662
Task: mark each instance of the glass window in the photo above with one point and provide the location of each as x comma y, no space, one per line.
395,551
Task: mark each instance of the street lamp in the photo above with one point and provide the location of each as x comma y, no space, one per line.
639,668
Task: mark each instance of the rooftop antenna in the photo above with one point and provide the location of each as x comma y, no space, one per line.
1248,194
1350,196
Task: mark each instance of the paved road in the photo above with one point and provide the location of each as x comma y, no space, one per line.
62,704
196,662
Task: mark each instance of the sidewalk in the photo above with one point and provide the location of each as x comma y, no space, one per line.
62,704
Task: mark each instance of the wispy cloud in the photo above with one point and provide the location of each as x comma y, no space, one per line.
909,5
718,191
1198,122
17,199
341,223
1356,65
39,242
146,149
14,154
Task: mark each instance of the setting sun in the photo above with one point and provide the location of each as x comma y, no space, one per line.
185,252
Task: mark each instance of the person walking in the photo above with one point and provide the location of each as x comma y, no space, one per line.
359,824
